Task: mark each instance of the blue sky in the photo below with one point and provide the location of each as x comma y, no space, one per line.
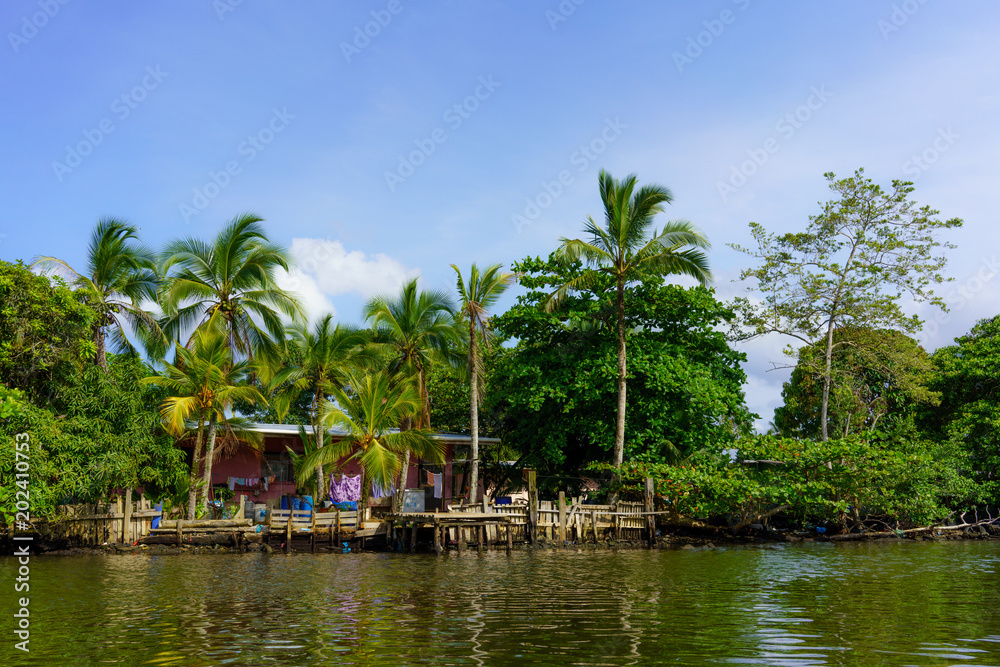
382,140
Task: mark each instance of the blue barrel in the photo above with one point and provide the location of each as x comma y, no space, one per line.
295,503
307,503
284,502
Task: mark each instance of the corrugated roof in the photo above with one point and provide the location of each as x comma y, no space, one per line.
292,430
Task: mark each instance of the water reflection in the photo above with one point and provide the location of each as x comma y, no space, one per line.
919,604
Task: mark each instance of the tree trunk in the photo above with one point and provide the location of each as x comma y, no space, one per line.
195,467
620,425
318,432
473,416
425,403
827,380
102,356
209,455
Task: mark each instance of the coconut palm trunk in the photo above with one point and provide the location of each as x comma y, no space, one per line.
209,456
619,454
473,414
195,467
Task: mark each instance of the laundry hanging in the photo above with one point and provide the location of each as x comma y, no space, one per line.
379,492
348,489
438,484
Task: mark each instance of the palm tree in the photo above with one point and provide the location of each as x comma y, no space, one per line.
415,330
202,384
325,353
624,249
233,276
120,275
477,297
369,411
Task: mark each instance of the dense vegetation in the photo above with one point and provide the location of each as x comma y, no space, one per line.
602,369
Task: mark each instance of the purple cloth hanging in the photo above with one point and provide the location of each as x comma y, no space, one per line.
348,489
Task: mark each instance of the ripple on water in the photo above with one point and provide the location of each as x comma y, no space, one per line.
924,604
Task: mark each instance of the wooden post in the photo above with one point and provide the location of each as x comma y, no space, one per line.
437,538
650,517
288,532
618,525
338,527
413,537
480,534
562,517
460,534
180,531
532,507
127,518
312,532
593,523
510,538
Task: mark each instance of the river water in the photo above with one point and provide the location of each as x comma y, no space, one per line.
899,603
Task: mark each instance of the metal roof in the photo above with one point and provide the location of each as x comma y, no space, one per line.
292,430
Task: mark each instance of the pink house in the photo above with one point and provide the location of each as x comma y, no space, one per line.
267,479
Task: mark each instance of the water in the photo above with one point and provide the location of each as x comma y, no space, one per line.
810,604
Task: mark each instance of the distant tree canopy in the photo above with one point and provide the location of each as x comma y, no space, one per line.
557,387
45,331
879,380
968,378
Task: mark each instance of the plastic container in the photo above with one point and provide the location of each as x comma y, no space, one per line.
284,502
296,503
260,513
307,503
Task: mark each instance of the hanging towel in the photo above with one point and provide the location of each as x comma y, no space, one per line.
379,492
430,478
231,482
265,483
438,485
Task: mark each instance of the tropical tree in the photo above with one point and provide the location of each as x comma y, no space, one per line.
478,295
625,249
369,410
414,331
850,268
324,354
120,274
234,276
203,383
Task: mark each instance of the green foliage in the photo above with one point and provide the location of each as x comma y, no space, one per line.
851,269
852,481
102,434
880,382
969,414
44,331
557,387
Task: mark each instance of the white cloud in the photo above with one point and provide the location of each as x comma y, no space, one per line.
324,268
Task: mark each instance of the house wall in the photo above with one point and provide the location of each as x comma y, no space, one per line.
245,464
